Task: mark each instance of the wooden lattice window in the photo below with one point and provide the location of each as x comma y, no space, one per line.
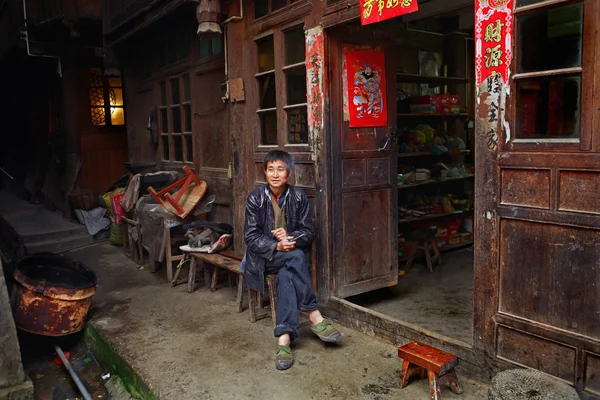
281,82
551,77
106,99
175,113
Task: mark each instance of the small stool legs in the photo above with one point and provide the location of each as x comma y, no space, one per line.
435,381
409,370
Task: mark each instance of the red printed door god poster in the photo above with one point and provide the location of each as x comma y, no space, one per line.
372,11
366,88
493,38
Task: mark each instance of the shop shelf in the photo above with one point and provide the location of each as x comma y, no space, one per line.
457,115
430,182
427,217
451,247
432,80
425,153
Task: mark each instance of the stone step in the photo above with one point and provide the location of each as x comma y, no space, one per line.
33,238
59,245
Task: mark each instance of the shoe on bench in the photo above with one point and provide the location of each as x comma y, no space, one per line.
284,358
326,331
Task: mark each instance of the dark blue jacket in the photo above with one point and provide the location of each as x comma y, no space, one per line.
260,221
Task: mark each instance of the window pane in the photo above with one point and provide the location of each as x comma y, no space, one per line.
297,126
266,55
550,38
164,123
268,128
115,81
261,8
294,46
266,89
548,108
187,109
190,148
203,47
176,119
96,77
217,45
98,116
115,97
175,91
96,96
163,94
178,147
296,86
117,116
277,4
186,87
165,146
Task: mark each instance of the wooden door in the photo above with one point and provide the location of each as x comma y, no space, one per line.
537,254
364,178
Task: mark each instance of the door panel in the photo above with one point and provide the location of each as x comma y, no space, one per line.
103,157
364,181
537,254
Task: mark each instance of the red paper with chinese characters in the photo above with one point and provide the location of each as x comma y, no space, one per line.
366,88
493,33
372,11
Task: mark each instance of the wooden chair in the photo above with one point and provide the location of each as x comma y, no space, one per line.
428,361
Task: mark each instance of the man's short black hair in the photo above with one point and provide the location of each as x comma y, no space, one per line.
279,155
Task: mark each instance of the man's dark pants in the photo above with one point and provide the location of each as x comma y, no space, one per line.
294,290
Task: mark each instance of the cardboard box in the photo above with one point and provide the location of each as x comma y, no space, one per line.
454,239
422,174
465,237
441,232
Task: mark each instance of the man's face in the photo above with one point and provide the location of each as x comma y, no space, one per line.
276,174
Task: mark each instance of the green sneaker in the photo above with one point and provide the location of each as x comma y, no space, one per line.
284,358
326,332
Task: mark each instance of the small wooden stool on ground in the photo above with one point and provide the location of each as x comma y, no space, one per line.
425,360
422,243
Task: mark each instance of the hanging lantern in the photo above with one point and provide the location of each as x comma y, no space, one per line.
208,14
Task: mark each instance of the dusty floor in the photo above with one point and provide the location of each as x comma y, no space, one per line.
195,346
440,302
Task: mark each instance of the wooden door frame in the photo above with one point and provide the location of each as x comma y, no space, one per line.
391,330
338,37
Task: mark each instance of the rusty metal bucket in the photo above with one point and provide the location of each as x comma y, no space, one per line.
52,295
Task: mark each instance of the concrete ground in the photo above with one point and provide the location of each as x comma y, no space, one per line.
440,302
195,346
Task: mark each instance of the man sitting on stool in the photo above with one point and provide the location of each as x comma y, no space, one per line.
278,233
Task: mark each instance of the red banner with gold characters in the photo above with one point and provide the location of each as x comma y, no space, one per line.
372,11
366,88
493,38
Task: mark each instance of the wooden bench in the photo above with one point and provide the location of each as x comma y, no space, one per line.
226,260
425,360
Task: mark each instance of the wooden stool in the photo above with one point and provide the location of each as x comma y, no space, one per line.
255,300
424,246
437,364
257,311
